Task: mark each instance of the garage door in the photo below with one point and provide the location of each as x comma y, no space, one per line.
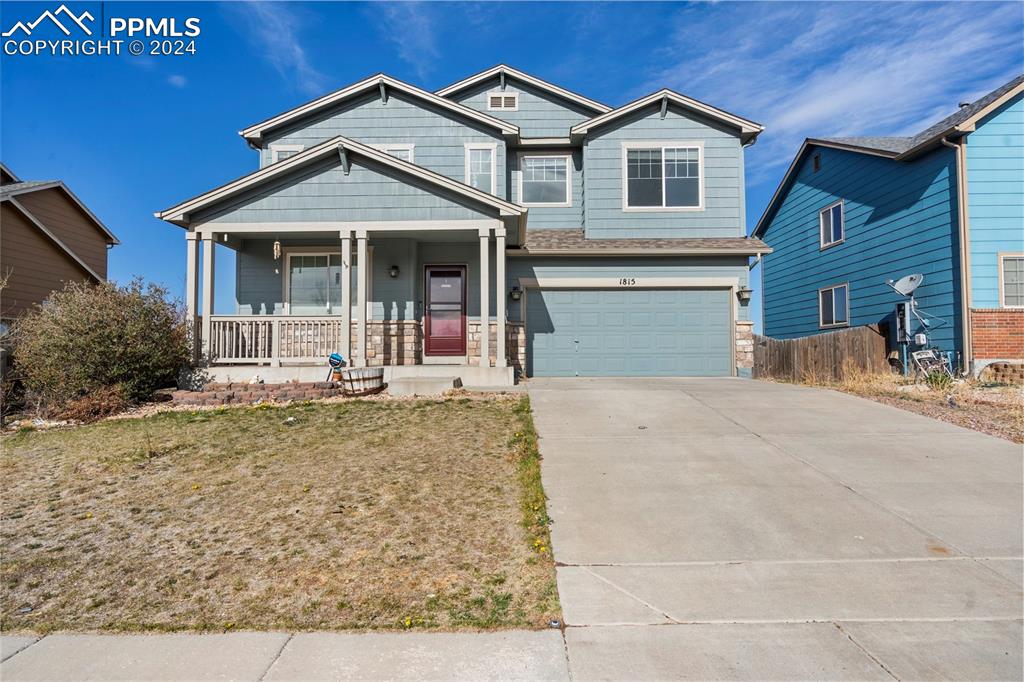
628,332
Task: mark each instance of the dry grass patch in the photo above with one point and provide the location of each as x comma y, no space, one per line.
361,514
995,409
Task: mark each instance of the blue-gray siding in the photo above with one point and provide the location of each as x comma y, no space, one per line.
723,170
995,177
323,192
569,268
900,219
438,135
540,114
552,216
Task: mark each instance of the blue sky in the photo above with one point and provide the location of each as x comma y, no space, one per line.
131,135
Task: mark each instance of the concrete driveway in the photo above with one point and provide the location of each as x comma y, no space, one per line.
723,528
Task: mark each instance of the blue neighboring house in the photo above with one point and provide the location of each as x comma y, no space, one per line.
853,212
500,225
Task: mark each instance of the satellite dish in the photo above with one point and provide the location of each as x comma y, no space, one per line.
907,285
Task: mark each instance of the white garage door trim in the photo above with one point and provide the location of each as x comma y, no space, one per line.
730,283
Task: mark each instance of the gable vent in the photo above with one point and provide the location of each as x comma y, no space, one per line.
498,101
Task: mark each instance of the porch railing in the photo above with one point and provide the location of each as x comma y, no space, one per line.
251,339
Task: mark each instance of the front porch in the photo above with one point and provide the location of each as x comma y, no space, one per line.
397,312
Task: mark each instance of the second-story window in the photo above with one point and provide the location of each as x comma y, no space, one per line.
280,152
544,180
398,150
480,166
830,223
663,177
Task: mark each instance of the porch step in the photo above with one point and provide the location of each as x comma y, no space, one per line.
423,385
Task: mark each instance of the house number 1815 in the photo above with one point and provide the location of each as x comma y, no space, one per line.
627,281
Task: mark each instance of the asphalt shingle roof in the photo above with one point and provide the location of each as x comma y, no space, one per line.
899,145
575,240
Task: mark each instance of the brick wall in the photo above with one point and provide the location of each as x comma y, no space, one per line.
998,333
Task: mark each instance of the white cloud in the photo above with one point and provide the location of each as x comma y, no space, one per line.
177,80
412,28
821,70
274,29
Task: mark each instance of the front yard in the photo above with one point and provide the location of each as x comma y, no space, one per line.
355,514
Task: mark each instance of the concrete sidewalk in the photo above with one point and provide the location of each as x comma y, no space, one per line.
273,656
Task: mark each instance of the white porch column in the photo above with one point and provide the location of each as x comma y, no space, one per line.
346,296
500,297
192,289
364,284
485,299
208,251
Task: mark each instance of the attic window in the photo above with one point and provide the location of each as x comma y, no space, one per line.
817,162
503,101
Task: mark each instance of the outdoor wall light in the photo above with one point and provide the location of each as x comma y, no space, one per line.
515,293
393,271
743,294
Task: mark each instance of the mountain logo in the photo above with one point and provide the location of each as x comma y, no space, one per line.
69,16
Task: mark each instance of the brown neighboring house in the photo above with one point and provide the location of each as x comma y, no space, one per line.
47,237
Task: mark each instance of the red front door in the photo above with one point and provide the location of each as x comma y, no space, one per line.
444,324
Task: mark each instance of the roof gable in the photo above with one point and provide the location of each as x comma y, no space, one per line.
11,190
381,83
503,71
749,130
337,147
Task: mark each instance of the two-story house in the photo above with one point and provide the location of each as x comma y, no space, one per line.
501,223
948,203
49,238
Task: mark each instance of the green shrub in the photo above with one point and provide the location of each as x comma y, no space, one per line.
938,380
95,337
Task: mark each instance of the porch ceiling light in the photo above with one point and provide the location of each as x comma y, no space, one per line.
515,293
743,294
393,271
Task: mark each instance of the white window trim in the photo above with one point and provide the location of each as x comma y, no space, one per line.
404,146
663,145
289,251
493,146
503,93
1002,291
275,148
821,318
842,225
568,179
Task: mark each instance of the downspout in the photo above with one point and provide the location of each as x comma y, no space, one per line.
960,149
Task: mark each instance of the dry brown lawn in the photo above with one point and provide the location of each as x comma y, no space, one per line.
357,514
997,410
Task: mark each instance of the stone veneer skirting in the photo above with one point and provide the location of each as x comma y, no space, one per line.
744,347
400,342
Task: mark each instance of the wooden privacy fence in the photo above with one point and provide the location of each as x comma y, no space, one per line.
823,356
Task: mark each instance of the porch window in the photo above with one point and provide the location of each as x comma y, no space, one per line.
314,283
544,181
663,177
480,166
